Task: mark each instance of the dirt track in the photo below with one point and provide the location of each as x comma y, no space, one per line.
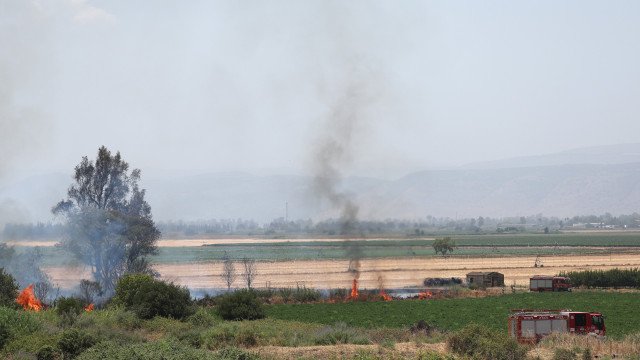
395,272
348,351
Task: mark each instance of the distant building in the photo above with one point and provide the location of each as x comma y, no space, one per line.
485,279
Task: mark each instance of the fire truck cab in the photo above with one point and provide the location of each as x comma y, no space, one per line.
549,283
529,326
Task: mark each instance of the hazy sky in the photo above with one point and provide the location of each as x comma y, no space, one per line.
251,85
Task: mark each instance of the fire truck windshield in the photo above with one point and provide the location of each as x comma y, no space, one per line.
598,321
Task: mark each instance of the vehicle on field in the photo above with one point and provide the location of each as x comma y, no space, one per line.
529,326
549,283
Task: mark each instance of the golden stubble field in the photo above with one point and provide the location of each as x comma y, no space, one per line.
395,273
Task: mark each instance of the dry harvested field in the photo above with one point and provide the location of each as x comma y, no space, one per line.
395,272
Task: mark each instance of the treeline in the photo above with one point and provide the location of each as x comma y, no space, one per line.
37,231
429,225
330,227
210,227
606,220
614,278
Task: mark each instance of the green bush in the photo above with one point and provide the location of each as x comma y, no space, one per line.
4,335
68,309
148,297
18,322
564,354
73,342
305,294
8,289
48,352
31,343
301,294
114,319
219,336
165,325
240,305
163,349
340,333
246,337
586,354
479,342
66,305
229,334
202,318
191,337
69,305
128,320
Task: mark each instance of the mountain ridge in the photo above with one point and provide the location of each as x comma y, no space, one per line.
551,189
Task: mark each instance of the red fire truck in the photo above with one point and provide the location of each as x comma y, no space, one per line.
529,326
549,283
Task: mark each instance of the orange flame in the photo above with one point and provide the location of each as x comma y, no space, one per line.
425,295
28,300
385,296
88,308
354,290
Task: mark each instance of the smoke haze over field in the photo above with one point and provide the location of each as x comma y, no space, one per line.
319,89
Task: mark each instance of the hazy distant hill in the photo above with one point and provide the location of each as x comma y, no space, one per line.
563,184
604,155
552,190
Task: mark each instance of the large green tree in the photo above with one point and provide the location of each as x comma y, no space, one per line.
110,226
444,245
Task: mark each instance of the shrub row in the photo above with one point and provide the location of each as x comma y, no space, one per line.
605,278
299,294
163,349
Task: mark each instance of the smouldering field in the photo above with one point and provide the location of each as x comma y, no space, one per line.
323,263
400,272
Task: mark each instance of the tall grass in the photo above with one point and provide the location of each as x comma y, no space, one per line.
605,278
627,346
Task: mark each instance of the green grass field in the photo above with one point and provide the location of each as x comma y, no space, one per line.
468,245
620,310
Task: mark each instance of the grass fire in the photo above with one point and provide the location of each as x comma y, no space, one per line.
298,180
28,300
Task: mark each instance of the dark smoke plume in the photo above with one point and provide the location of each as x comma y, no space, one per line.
334,154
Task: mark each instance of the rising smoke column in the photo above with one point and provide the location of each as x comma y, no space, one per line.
333,154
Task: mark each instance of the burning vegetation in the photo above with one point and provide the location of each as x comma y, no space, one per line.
27,299
384,295
425,295
354,291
